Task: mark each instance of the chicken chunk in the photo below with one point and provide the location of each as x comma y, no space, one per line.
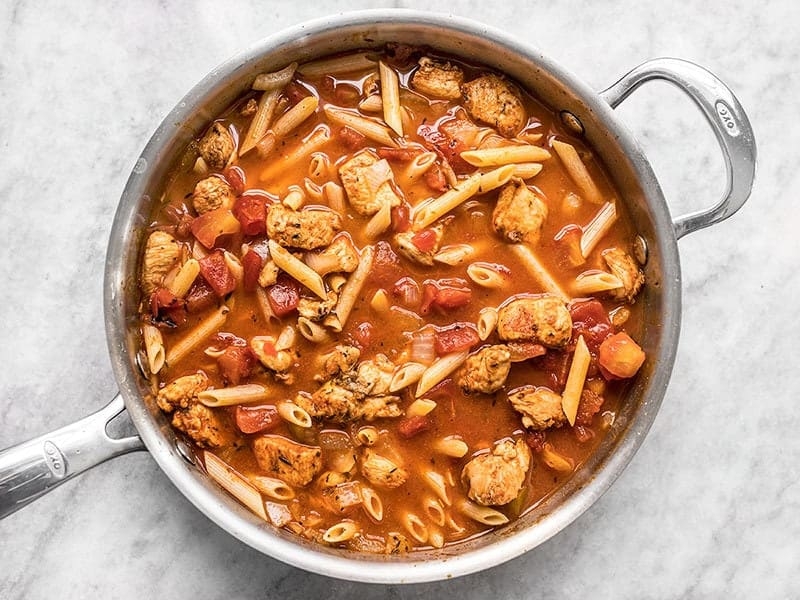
269,273
381,471
343,400
519,214
306,229
540,407
374,376
543,319
161,253
369,183
182,392
294,463
494,101
341,360
397,543
277,361
486,370
340,256
216,146
497,478
316,309
438,79
211,193
201,424
624,267
409,245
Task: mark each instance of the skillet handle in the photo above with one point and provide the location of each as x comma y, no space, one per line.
725,115
33,468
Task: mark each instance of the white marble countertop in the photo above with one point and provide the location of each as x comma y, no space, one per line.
708,507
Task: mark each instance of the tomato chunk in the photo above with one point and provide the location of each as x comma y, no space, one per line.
255,419
167,308
200,296
236,179
283,296
435,179
620,357
444,294
424,240
215,271
455,337
251,211
236,364
590,320
412,426
251,265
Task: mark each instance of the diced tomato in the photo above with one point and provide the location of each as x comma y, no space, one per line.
362,335
283,296
620,357
588,407
208,227
556,364
590,320
401,155
251,212
435,179
255,419
295,92
351,138
535,440
444,294
582,433
452,297
455,337
449,147
406,290
236,364
412,426
236,179
401,217
385,266
200,297
251,265
167,308
424,240
216,272
346,94
569,242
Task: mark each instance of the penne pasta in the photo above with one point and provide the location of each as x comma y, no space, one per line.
556,461
432,209
434,510
380,221
234,483
486,275
371,104
367,435
292,118
311,143
597,228
231,396
153,347
234,266
529,137
450,446
291,413
314,191
420,164
505,155
276,80
313,332
437,484
390,96
286,339
436,538
454,254
333,194
337,65
266,308
439,370
593,282
351,289
341,532
320,166
372,503
482,514
539,271
415,527
272,487
201,331
260,122
184,278
577,171
368,127
297,269
420,407
487,322
495,178
295,198
406,374
527,170
576,377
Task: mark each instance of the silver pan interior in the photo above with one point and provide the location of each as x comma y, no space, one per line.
548,81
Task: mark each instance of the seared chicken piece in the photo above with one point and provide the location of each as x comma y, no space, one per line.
161,253
406,245
216,146
438,79
543,319
294,463
519,214
269,273
497,478
194,419
340,256
397,543
540,407
369,183
496,102
342,359
374,376
316,309
381,471
337,401
306,229
626,268
211,193
486,370
182,392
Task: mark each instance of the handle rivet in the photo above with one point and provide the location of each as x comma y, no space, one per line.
571,122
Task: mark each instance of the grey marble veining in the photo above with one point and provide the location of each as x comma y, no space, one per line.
709,506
